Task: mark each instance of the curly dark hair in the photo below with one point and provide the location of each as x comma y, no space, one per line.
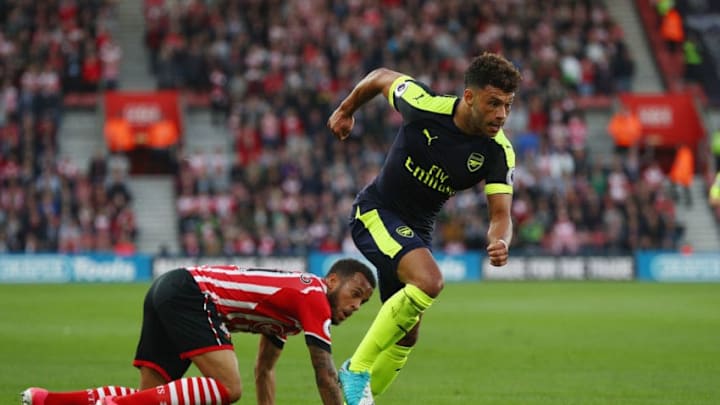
346,268
494,70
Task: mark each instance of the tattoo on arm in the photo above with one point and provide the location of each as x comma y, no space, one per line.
325,376
322,360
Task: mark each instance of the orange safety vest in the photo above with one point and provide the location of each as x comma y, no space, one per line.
625,129
162,134
683,167
671,28
119,135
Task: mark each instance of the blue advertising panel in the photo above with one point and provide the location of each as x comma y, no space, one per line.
561,268
456,267
58,268
678,267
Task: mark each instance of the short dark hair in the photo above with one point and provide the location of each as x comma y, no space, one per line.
494,70
346,268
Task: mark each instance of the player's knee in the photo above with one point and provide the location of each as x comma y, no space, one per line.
433,287
233,389
431,283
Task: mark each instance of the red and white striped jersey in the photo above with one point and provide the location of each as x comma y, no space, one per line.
272,302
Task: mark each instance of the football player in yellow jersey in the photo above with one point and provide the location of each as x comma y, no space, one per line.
446,144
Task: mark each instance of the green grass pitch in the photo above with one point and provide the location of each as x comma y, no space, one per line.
532,343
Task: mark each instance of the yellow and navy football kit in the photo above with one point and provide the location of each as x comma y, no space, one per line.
429,162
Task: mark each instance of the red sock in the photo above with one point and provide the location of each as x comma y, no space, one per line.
188,391
85,397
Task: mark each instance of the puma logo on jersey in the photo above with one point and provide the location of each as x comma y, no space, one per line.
429,137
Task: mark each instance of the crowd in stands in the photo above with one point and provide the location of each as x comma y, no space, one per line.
47,204
275,70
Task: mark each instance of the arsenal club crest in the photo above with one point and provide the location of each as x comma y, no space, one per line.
475,161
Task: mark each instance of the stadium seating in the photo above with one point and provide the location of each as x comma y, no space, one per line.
290,184
51,56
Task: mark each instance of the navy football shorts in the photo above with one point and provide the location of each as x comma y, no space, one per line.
384,238
179,322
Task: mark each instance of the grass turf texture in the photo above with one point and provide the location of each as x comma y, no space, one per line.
483,343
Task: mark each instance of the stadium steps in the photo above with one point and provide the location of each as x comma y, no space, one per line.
599,142
200,133
80,136
700,230
129,33
155,211
647,78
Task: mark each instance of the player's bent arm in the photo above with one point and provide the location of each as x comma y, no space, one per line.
376,82
500,229
326,376
267,357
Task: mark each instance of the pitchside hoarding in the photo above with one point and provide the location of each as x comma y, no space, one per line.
561,268
456,267
470,266
678,267
57,268
474,266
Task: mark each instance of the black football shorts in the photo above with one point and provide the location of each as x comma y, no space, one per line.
179,322
384,238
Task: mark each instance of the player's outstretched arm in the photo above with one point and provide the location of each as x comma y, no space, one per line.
378,81
500,229
326,376
267,357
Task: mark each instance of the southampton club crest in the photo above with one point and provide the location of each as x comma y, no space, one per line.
475,162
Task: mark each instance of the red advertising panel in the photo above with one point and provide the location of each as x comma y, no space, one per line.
667,119
150,116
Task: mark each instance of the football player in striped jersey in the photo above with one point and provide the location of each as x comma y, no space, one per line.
190,313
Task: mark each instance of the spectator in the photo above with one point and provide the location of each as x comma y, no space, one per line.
682,173
714,193
91,69
672,29
715,147
663,6
625,129
623,68
619,186
564,238
110,57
